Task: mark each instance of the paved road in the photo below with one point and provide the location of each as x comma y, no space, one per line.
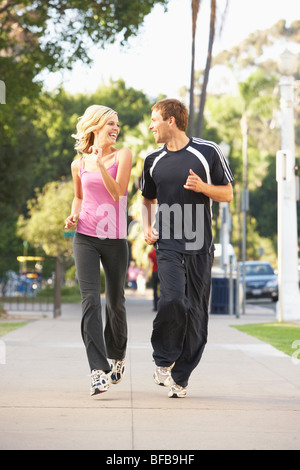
244,394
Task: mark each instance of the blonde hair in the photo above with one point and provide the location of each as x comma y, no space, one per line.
94,118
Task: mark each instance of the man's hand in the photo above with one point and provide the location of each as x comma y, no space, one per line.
194,182
218,193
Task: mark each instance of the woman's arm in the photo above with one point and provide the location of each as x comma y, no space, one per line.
117,187
77,201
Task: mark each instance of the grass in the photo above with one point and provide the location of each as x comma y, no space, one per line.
7,327
280,335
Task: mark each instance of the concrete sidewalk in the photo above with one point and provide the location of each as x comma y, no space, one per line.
244,394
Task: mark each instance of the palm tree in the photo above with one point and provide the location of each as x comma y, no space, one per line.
212,30
195,11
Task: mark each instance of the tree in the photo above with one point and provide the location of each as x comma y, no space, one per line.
258,103
132,105
41,147
56,118
38,35
47,213
195,11
262,208
255,106
248,54
49,26
207,68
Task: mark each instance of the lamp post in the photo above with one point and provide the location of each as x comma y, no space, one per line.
244,202
225,221
288,305
226,253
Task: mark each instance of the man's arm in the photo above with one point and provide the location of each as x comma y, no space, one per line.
148,213
218,193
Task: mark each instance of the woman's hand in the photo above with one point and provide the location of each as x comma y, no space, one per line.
71,221
151,236
96,154
96,148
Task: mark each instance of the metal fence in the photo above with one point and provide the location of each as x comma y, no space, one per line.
30,284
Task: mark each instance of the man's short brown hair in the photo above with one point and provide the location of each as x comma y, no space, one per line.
175,108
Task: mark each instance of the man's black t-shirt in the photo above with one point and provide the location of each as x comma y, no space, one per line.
183,218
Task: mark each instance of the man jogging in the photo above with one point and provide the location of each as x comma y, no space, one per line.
179,182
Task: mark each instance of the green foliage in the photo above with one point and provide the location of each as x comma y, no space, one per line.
47,213
37,148
35,133
47,128
255,91
258,102
55,34
11,245
256,49
131,105
264,202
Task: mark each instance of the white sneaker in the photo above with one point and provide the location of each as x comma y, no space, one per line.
100,382
117,371
177,391
162,375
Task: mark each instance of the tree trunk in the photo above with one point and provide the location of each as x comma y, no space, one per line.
192,85
207,68
195,10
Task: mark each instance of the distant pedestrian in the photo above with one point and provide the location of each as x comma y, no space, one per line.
154,277
179,181
141,281
132,275
101,176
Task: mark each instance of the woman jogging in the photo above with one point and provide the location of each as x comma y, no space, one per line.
101,176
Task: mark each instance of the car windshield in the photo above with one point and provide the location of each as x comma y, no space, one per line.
258,269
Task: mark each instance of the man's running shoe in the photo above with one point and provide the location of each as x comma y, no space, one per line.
162,375
100,382
117,371
177,391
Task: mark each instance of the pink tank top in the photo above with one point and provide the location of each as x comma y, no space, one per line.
100,215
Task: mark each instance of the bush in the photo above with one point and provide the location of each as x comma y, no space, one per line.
68,293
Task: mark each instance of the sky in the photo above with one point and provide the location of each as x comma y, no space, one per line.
158,60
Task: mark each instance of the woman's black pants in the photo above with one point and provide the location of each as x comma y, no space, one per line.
113,254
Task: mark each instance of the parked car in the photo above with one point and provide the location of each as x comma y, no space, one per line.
261,280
